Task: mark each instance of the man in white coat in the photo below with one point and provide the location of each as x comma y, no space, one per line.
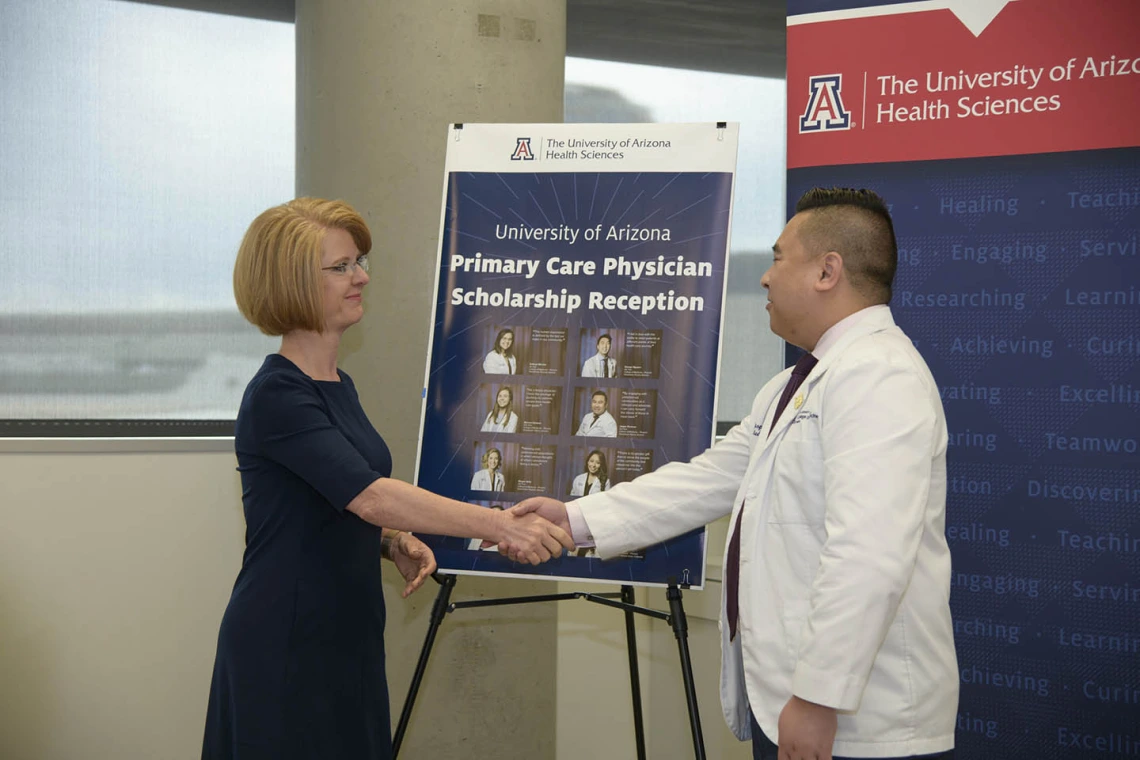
837,642
600,364
598,421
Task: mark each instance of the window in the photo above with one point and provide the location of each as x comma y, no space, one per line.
137,142
605,91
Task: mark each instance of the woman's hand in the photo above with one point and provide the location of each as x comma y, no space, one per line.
413,559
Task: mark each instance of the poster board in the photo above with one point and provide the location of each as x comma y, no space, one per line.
576,324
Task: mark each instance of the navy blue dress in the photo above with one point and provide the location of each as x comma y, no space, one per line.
299,671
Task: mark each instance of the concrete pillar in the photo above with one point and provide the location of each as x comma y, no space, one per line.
377,84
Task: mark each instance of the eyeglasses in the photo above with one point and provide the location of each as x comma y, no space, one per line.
346,267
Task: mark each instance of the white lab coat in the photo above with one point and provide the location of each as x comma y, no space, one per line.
578,487
510,425
482,481
605,427
593,367
845,570
497,364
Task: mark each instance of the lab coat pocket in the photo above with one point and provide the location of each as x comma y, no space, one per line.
798,473
795,619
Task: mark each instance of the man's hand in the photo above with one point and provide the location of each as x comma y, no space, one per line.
807,730
526,537
413,559
546,508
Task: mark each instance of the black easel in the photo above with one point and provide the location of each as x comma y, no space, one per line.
675,617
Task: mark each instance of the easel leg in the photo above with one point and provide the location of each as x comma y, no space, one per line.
634,675
438,611
681,632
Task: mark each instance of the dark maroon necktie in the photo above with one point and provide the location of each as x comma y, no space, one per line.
732,565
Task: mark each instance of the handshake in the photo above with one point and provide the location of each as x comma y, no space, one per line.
534,531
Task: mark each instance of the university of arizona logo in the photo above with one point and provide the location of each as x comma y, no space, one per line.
825,109
522,150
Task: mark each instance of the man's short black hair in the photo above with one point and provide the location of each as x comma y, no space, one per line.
857,225
602,394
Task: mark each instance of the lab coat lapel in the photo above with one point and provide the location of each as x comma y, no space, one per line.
777,426
874,323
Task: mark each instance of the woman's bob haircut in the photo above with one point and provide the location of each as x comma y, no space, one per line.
277,275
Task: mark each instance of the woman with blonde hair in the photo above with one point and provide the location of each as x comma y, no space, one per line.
490,478
502,418
299,671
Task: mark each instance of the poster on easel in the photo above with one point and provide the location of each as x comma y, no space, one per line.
576,325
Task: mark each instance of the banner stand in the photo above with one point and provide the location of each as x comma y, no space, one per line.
675,617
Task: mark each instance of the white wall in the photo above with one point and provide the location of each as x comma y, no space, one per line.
114,571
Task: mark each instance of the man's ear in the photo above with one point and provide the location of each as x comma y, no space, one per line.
830,270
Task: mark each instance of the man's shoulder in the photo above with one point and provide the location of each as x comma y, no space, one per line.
879,354
890,345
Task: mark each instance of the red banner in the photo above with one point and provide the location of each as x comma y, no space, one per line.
1044,76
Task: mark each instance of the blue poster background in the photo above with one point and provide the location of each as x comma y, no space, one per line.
676,398
1019,282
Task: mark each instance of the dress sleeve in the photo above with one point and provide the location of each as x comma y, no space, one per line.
291,426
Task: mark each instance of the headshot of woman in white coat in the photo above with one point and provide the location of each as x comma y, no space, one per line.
489,478
502,417
595,479
501,359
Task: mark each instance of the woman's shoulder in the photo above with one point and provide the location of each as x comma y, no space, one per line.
277,380
345,378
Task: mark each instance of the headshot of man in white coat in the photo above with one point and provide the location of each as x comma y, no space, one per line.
836,634
598,421
601,364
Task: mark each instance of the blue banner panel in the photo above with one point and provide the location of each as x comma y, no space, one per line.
800,7
1019,282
